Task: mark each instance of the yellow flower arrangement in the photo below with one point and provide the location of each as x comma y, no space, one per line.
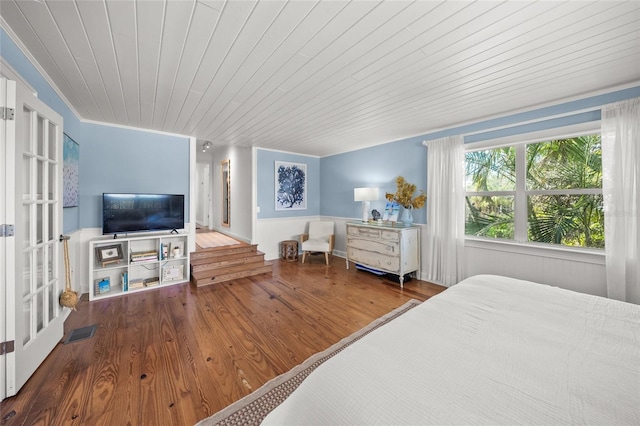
404,195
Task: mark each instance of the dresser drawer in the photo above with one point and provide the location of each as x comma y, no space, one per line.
375,234
390,235
389,248
374,260
364,232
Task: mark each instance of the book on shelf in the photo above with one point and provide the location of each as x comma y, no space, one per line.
102,285
165,249
136,283
144,256
150,282
125,281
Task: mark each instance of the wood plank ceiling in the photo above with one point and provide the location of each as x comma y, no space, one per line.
326,77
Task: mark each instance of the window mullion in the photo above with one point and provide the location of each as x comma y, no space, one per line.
520,202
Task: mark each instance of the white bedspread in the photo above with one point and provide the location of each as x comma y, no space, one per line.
490,350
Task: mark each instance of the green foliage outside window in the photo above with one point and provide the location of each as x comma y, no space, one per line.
563,192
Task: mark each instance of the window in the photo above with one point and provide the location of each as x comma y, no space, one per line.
547,192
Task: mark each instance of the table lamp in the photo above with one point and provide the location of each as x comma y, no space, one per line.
366,195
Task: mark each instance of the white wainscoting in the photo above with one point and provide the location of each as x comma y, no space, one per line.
582,271
269,233
578,270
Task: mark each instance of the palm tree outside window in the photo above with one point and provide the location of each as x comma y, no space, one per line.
543,192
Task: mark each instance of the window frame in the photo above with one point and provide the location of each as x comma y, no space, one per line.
520,194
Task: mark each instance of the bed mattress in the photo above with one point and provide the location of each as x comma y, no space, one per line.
489,350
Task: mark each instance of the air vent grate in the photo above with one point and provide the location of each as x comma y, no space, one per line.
81,334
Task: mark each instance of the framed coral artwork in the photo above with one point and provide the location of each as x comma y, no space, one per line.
291,186
70,171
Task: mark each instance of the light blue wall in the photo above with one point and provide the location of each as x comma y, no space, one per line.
266,186
111,159
119,160
379,165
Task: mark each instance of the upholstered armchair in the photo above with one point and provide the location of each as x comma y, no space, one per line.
319,239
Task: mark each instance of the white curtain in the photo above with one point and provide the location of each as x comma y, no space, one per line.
445,210
621,188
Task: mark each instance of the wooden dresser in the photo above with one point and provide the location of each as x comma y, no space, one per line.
394,249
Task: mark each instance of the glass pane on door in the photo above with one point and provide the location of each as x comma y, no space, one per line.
40,137
26,178
26,274
40,310
26,225
40,180
39,231
26,337
51,185
51,222
51,149
53,303
39,268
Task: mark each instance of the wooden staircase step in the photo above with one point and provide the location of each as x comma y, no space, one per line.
227,261
213,252
204,278
221,257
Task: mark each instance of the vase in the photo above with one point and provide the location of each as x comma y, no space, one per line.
407,216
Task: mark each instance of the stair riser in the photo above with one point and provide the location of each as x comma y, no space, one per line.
226,264
226,258
200,282
205,254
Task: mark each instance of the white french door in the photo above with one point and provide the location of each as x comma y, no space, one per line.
32,193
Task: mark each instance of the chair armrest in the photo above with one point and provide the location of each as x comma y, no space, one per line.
332,239
304,237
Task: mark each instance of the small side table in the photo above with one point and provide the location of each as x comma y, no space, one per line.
289,250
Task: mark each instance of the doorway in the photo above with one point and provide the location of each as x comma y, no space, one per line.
203,202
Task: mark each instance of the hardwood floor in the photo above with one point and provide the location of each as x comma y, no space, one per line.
175,355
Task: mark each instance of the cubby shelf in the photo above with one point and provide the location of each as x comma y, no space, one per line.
114,270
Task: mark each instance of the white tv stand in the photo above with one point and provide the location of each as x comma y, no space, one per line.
114,259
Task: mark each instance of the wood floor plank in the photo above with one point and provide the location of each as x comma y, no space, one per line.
175,355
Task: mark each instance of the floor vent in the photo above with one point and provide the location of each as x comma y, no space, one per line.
81,334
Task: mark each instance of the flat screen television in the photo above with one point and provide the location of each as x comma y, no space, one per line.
122,213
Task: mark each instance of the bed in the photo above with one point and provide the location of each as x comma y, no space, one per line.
489,350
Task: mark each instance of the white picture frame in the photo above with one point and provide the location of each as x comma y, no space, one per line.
173,273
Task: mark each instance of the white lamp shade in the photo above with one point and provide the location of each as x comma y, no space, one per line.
365,194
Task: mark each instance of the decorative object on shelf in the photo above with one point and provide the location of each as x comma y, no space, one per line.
291,186
375,214
391,212
404,196
407,215
173,273
366,195
109,254
102,285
